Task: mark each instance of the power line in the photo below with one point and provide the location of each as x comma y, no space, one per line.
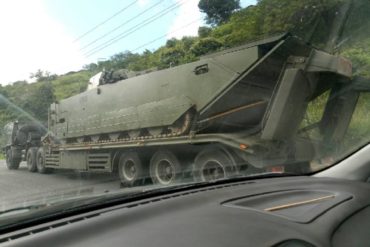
105,21
161,37
132,30
174,31
121,25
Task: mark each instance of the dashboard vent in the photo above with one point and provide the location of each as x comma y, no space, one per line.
302,206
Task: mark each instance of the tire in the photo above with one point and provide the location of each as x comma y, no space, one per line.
213,164
31,159
130,169
11,163
165,168
40,162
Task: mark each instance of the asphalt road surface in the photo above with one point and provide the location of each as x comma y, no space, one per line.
21,187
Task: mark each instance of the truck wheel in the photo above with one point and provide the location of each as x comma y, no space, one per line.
130,169
31,159
165,168
212,164
40,161
11,163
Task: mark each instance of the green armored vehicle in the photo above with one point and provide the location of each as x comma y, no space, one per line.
220,115
226,92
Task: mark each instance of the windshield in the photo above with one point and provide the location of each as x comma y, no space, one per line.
110,97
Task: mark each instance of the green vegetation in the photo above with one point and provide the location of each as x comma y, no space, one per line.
218,11
70,84
314,113
229,26
359,128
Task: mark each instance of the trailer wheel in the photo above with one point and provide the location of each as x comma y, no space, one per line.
31,159
11,163
212,164
165,168
40,161
130,169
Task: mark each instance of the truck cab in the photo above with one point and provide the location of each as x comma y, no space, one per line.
23,140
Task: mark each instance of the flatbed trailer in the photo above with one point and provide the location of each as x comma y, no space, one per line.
227,114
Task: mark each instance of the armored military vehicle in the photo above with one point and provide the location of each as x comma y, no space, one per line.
213,118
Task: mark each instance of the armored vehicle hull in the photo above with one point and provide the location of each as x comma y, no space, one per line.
227,91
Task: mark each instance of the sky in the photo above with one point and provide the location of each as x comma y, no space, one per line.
49,34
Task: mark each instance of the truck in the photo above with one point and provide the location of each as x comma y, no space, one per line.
227,114
23,140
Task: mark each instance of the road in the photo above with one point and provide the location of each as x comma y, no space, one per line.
21,187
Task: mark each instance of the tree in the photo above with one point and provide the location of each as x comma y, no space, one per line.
39,100
171,57
40,75
206,45
122,60
91,67
171,43
218,11
204,32
187,42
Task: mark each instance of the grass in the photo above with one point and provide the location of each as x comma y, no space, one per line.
359,127
71,84
358,131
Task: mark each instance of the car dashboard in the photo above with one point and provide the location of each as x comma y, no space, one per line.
290,211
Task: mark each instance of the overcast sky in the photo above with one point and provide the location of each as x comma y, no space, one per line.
41,34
